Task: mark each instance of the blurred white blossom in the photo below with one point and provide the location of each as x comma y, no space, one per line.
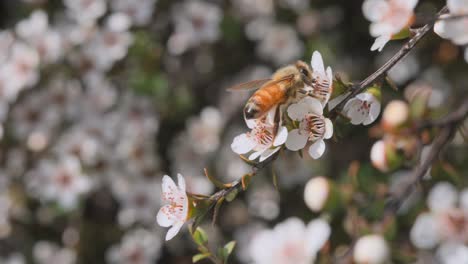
140,12
388,18
371,249
454,29
445,225
196,22
86,11
138,246
280,38
290,242
61,181
46,252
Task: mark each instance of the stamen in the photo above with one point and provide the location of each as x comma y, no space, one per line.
321,88
314,125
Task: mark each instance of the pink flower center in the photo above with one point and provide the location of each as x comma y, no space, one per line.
314,126
177,202
262,134
293,252
364,108
64,179
321,88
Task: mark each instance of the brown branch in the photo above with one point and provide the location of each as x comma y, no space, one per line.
237,186
460,114
448,125
382,71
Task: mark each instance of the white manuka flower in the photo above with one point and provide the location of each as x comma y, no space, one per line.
175,213
454,29
388,17
290,242
313,127
263,140
322,87
364,108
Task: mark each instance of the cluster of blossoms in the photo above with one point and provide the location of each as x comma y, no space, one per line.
74,132
444,226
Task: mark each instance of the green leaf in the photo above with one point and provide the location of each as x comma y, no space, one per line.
232,195
404,33
229,247
200,256
226,251
200,237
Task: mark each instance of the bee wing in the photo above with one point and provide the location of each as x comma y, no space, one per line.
248,85
259,83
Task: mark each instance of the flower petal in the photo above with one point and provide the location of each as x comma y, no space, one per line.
373,113
181,182
424,234
296,141
365,97
255,155
172,232
270,117
317,149
242,144
380,43
297,111
318,232
164,217
168,187
251,123
281,136
407,4
313,105
328,129
317,63
267,153
443,196
357,117
374,10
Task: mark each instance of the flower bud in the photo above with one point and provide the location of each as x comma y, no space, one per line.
371,249
384,156
395,116
316,193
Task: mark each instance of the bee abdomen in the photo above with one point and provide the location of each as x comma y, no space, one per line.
263,100
269,96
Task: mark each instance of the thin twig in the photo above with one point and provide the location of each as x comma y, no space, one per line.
382,71
448,125
460,114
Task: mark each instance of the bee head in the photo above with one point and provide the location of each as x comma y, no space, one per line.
305,71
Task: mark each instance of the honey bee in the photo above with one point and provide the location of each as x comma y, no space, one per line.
283,84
